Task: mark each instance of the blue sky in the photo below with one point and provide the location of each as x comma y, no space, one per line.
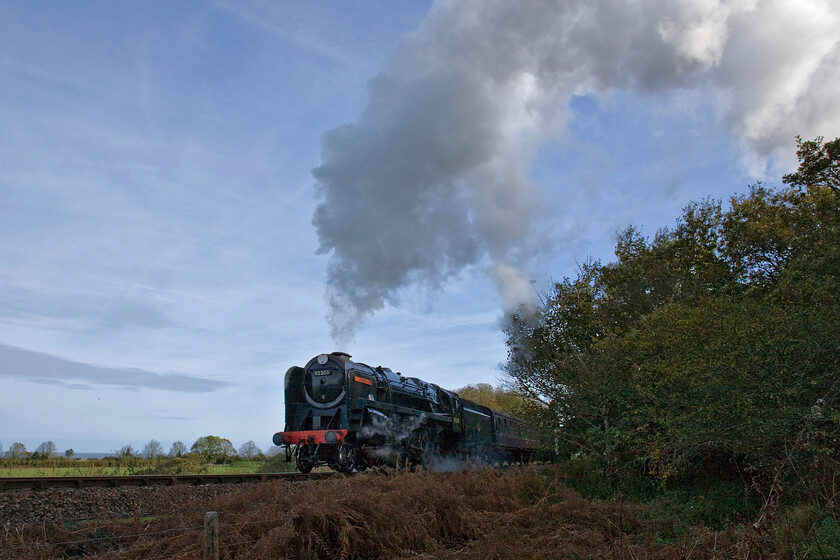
159,266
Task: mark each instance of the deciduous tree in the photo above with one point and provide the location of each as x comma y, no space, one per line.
214,448
819,164
249,450
713,343
178,449
152,449
46,449
17,451
497,398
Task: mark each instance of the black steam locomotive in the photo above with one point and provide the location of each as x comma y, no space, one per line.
349,415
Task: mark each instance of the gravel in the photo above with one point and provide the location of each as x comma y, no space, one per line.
62,505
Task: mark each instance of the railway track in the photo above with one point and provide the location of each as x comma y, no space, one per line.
45,482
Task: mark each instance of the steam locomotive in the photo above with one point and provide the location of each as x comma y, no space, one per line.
348,415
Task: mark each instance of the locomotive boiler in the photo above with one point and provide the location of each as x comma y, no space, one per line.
348,415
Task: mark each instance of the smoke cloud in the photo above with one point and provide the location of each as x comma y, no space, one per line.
433,175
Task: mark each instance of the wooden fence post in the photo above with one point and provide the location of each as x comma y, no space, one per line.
211,536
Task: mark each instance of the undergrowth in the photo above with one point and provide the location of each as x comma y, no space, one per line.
475,515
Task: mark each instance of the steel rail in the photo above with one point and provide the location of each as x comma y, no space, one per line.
45,482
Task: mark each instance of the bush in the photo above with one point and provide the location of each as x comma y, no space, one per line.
277,463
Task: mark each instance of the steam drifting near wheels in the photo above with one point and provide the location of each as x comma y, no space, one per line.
348,415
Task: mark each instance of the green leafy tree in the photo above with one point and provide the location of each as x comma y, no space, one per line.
69,453
759,236
714,344
819,164
497,398
214,448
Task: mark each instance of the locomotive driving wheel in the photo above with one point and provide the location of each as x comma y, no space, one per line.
421,449
303,459
347,458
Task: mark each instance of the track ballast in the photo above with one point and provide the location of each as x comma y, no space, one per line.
45,482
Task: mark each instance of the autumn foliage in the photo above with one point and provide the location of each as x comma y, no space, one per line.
472,515
706,354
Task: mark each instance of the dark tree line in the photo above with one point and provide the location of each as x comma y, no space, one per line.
713,347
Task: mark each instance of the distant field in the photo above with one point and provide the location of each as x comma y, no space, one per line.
92,468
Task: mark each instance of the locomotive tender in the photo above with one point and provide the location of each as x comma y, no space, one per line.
348,415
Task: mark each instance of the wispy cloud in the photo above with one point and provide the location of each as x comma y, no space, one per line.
139,315
82,312
280,22
42,368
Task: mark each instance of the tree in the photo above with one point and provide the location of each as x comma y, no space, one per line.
46,449
214,448
497,398
178,449
17,451
759,236
819,164
152,449
126,452
69,453
715,343
249,450
566,361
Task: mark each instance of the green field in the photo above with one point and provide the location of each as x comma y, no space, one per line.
96,468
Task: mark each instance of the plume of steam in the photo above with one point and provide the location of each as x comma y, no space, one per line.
433,175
